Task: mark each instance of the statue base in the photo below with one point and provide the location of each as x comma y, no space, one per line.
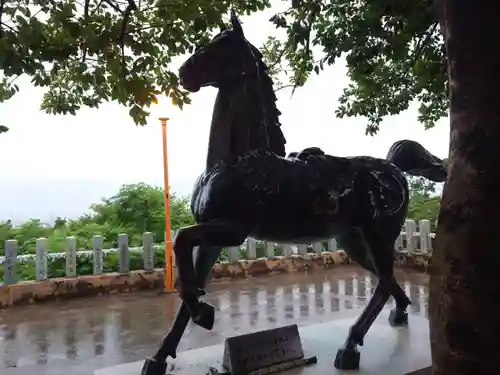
387,350
244,354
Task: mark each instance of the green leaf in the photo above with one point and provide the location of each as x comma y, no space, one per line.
394,53
78,59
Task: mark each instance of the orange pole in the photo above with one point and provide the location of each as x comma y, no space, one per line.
169,253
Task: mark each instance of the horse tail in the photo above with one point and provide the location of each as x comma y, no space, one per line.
411,157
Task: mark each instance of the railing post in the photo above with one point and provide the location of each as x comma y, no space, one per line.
244,247
302,249
399,242
332,245
269,249
97,254
174,266
10,262
70,255
233,253
410,230
287,250
318,247
251,248
425,235
124,260
147,249
41,259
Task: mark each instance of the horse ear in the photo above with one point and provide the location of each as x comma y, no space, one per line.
236,23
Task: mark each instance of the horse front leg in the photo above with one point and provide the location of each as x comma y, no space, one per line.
209,234
157,365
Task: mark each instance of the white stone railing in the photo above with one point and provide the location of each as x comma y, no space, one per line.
410,240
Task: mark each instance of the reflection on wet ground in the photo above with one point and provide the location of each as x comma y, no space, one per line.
76,337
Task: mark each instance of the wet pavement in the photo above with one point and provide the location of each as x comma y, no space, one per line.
77,337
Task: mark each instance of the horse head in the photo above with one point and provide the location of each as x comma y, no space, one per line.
226,59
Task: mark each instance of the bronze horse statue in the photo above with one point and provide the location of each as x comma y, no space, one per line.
249,188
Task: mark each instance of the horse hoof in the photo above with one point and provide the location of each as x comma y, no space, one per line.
152,367
205,316
398,318
347,359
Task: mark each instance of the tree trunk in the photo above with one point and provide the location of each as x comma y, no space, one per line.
464,303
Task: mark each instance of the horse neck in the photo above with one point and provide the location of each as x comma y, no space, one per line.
244,119
219,141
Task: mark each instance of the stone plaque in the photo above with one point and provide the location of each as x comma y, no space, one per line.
247,353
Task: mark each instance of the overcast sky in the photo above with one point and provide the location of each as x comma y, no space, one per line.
58,165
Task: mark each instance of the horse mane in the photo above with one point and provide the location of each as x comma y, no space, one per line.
272,126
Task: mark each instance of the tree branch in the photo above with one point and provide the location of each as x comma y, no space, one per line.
153,26
422,42
12,80
115,7
8,27
283,87
96,8
130,7
85,21
2,3
312,16
280,56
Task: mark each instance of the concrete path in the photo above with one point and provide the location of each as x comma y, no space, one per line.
387,350
78,337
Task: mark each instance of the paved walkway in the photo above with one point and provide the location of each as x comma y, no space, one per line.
77,337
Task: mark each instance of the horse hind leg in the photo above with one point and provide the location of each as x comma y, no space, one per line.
398,315
157,365
357,249
379,260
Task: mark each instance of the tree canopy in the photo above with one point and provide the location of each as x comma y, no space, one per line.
91,51
394,52
87,52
